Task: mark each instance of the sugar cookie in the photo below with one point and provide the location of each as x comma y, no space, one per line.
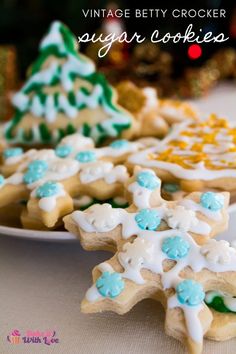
49,179
157,256
197,155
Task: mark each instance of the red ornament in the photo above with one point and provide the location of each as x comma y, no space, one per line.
194,51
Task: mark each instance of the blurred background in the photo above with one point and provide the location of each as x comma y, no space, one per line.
24,22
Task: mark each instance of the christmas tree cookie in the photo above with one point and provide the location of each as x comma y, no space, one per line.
64,94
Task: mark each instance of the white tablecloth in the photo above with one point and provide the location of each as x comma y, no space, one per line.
42,284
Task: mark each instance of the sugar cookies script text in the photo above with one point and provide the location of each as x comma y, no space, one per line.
189,36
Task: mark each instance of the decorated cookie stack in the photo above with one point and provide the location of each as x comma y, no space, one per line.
49,179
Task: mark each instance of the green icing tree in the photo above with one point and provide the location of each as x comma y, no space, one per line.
64,83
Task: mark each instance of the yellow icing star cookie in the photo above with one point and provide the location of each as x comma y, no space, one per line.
197,155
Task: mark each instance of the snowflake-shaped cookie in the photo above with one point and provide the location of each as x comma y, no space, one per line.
156,256
76,164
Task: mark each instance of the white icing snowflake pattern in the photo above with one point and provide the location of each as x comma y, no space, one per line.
45,154
181,218
102,217
218,251
136,253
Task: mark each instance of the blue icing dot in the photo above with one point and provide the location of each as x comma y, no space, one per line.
47,189
119,144
110,284
33,176
148,180
175,247
38,165
1,179
86,156
12,152
148,219
189,292
171,187
212,201
63,150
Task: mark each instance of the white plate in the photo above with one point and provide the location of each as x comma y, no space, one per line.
37,234
229,235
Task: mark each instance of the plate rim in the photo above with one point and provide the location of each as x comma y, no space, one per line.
36,234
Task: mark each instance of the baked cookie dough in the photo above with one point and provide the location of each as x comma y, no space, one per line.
157,255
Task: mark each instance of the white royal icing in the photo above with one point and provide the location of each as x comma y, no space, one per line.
77,142
54,37
110,151
192,320
63,168
13,159
37,108
188,203
31,155
15,179
92,294
103,170
92,100
141,196
58,169
65,106
48,204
